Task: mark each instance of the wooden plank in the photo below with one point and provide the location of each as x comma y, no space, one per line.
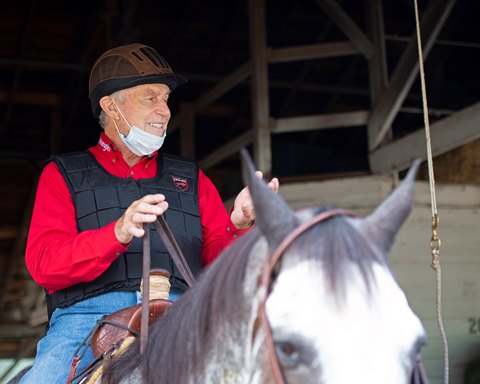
260,96
361,193
229,82
460,280
389,103
46,99
446,134
348,26
311,52
232,147
377,65
317,122
8,232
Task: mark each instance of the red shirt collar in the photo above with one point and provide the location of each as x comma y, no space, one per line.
108,155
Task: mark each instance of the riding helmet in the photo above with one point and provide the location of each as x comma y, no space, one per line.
128,66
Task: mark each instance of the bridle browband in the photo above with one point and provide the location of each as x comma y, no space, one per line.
266,281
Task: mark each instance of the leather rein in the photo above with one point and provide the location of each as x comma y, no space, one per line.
418,377
178,258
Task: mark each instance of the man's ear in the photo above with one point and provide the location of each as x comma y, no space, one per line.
109,107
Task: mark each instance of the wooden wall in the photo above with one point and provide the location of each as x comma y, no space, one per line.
459,212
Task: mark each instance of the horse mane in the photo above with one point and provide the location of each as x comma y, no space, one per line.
218,296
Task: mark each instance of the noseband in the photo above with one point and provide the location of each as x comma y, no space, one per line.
418,377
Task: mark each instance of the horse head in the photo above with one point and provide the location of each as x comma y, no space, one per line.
338,316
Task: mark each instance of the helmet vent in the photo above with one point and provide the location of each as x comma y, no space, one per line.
139,58
154,57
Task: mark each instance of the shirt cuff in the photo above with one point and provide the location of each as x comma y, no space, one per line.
237,232
116,246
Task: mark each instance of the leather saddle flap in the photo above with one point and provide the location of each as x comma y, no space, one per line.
121,324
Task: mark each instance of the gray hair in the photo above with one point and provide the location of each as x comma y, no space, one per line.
102,118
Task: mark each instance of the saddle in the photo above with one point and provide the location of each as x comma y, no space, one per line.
119,325
116,327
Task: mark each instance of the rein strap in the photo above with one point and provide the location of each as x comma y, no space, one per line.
178,258
174,250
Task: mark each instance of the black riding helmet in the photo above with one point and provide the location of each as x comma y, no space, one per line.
128,66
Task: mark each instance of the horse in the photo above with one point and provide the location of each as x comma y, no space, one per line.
305,297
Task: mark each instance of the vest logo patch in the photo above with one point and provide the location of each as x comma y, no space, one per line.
180,184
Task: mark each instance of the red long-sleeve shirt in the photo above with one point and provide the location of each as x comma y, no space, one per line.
58,256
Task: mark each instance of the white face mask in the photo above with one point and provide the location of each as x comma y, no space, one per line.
140,142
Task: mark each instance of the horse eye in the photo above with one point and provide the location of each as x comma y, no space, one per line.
287,354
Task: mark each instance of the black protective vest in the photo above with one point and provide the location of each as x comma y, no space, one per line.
101,198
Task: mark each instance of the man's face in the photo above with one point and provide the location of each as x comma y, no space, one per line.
146,106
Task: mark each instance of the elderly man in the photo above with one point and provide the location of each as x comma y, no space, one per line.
84,246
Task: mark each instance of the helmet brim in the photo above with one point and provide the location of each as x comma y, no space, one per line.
107,87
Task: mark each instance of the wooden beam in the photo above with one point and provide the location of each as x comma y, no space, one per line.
260,96
313,51
446,134
8,232
232,80
46,99
389,103
227,150
378,73
348,26
317,122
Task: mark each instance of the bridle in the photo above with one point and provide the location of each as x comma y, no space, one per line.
418,376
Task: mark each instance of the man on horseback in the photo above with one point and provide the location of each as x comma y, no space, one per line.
84,243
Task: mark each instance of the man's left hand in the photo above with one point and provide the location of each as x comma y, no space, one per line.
243,213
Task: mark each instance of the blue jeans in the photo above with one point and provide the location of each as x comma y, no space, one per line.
68,328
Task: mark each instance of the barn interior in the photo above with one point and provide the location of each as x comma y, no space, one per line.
315,89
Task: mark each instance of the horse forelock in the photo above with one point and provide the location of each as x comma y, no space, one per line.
335,245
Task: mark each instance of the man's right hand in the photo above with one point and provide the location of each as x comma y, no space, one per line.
144,210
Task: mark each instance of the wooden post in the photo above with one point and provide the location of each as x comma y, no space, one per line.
260,99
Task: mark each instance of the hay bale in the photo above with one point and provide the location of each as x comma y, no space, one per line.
459,166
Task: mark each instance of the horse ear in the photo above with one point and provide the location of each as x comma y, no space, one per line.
274,217
387,219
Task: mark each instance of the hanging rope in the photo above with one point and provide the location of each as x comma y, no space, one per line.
435,240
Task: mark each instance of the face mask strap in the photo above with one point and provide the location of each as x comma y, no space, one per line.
121,114
116,127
